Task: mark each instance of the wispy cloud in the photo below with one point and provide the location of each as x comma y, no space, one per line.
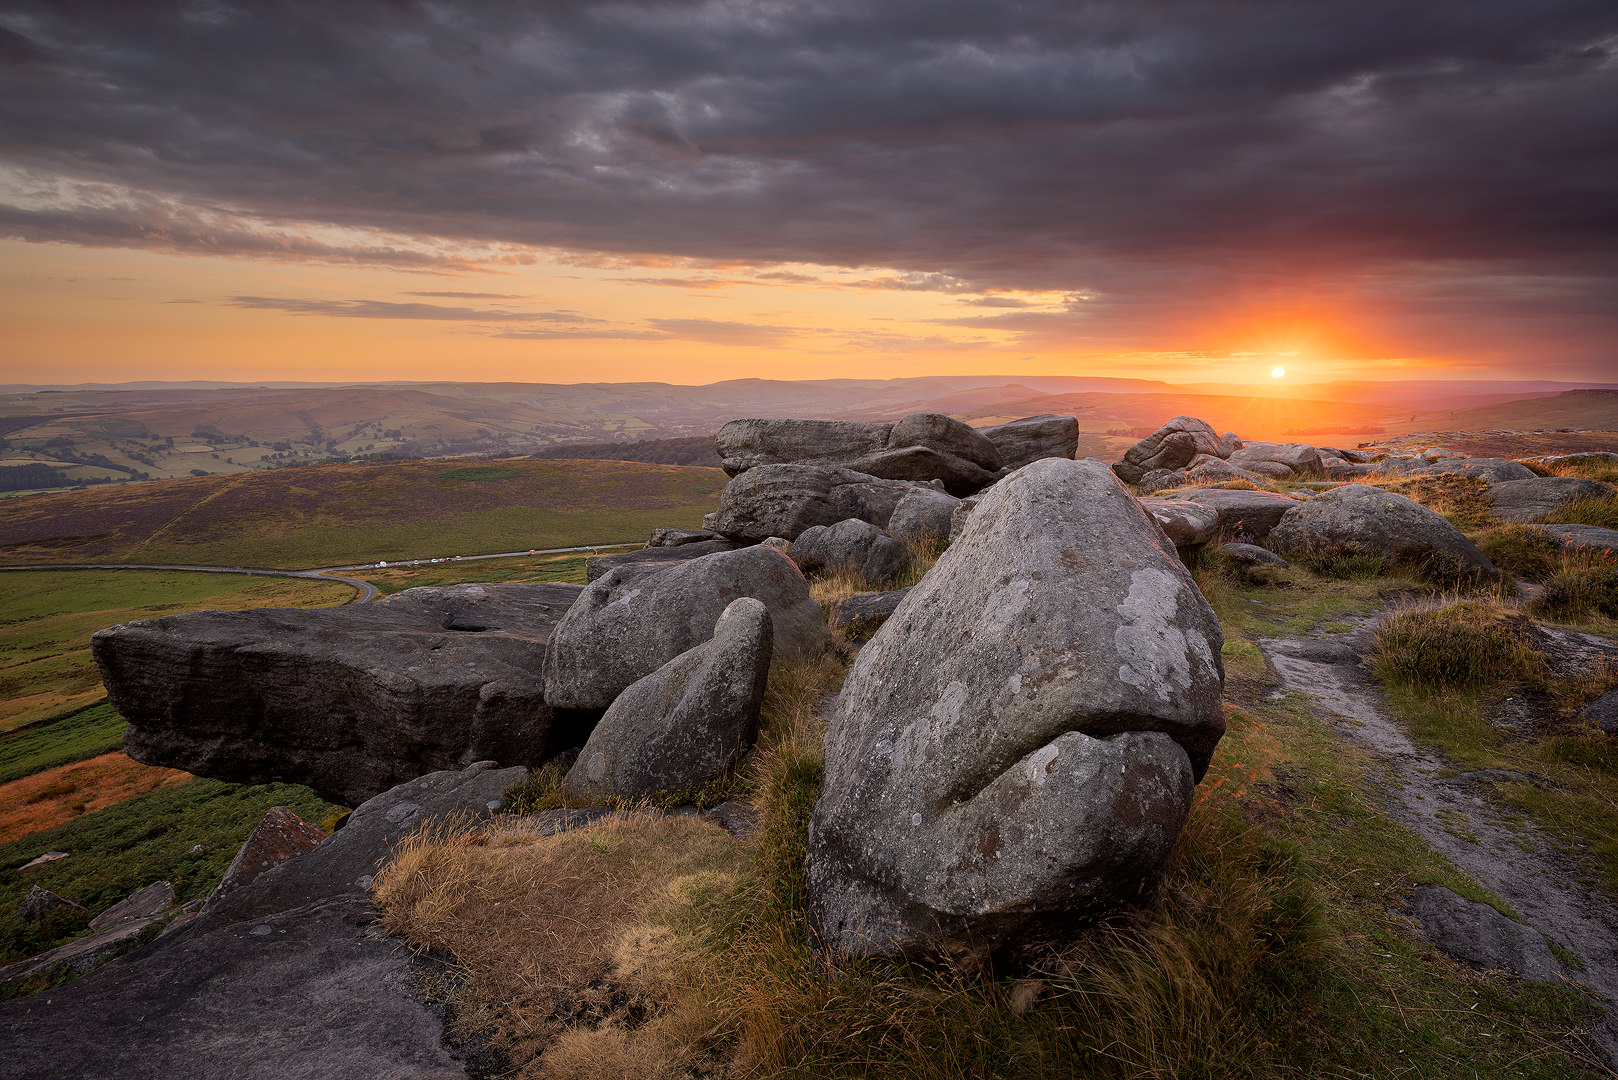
383,309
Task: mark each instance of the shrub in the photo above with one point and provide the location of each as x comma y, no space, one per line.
1525,552
1343,562
1470,644
1582,587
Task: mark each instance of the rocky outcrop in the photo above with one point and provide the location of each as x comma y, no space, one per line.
920,447
349,701
868,610
668,538
1188,525
1024,734
1033,437
1358,519
1602,712
1244,513
1251,555
41,902
784,500
1526,500
1172,446
1479,936
922,515
1294,458
624,627
851,545
656,557
1580,537
279,835
284,979
687,722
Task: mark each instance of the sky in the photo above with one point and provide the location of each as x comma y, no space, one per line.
688,192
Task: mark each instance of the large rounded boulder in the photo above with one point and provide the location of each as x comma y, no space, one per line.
687,722
1023,735
625,625
1358,519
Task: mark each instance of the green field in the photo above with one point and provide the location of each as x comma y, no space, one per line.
49,615
340,514
150,838
94,729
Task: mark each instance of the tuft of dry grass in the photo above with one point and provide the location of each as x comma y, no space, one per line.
1583,586
562,941
1591,468
1602,511
1456,645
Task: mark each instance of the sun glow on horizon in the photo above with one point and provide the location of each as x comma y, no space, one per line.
1277,372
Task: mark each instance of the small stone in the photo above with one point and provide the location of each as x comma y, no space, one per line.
40,903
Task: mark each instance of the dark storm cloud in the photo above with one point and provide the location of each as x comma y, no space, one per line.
1145,151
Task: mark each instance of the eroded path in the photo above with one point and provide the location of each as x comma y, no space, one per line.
1509,856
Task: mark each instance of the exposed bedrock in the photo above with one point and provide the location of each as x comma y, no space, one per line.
922,514
1033,437
920,447
350,701
1172,446
1023,735
1525,500
1357,519
626,625
784,500
854,545
1244,513
687,722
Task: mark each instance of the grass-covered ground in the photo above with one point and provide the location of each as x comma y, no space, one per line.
84,733
521,568
185,834
332,515
48,616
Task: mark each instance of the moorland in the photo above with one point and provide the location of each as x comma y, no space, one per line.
1277,945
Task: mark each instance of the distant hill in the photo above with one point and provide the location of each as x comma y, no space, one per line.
325,515
1595,410
695,451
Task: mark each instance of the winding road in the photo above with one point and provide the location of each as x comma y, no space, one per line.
364,591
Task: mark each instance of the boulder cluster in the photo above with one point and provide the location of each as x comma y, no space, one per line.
1020,735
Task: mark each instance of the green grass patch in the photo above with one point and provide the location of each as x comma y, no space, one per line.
132,844
85,733
1601,511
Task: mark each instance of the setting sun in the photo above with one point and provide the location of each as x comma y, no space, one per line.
1277,372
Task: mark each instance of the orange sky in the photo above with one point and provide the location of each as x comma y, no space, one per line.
78,314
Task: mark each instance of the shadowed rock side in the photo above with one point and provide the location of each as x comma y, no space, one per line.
1021,442
785,500
1024,733
626,625
1365,520
349,701
685,723
851,545
284,978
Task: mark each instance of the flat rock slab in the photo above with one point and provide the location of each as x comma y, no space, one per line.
145,903
350,701
287,978
1526,500
1253,555
1021,442
1249,514
1479,936
1585,537
869,608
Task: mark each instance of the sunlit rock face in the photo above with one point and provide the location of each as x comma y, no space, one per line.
1023,734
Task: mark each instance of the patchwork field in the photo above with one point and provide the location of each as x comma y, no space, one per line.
333,514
